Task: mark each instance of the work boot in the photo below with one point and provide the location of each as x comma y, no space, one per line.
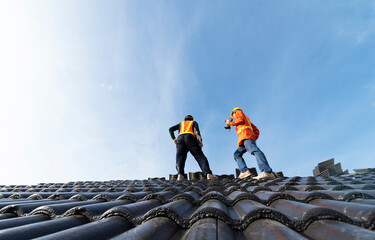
180,177
264,175
211,177
244,174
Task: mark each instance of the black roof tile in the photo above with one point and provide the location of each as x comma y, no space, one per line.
282,208
59,209
364,201
94,211
303,196
303,214
349,195
19,221
161,196
39,229
7,216
23,208
268,229
132,211
156,228
362,213
176,210
330,229
267,197
203,229
254,189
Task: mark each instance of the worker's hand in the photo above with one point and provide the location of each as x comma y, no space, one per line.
200,144
175,141
228,121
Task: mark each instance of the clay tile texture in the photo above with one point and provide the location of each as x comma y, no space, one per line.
321,207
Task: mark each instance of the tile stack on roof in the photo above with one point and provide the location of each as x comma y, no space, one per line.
365,170
283,208
329,168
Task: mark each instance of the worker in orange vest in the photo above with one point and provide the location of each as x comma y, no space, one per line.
189,139
248,133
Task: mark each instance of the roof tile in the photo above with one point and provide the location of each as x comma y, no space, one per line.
282,208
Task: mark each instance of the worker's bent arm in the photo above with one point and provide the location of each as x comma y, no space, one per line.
172,129
197,132
239,120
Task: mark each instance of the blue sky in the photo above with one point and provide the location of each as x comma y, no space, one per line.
89,89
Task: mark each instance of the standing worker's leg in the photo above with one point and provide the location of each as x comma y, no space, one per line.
252,148
181,155
239,159
193,145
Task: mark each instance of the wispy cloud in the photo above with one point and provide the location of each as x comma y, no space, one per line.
79,131
83,97
360,29
159,102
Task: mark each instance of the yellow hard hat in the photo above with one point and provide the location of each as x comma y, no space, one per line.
234,109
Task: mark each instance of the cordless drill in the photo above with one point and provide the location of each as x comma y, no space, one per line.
228,121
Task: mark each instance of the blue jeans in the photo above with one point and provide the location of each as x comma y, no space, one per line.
250,146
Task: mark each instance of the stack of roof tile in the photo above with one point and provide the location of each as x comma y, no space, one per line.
283,208
329,168
365,170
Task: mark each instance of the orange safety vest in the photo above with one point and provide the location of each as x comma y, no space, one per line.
186,127
246,130
247,124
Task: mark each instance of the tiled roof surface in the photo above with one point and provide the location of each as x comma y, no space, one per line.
283,208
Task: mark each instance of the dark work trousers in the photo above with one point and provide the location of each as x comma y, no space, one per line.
186,143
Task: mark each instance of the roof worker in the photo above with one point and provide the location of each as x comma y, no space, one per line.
189,139
248,133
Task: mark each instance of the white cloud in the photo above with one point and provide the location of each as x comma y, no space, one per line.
61,126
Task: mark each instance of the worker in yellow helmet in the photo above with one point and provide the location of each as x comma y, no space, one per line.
248,133
189,139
